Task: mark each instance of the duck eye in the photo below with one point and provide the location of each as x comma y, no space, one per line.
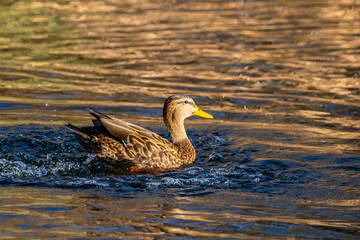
186,101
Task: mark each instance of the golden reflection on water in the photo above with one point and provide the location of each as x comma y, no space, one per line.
243,43
279,74
79,214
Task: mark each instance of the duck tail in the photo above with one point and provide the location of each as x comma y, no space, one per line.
86,137
77,130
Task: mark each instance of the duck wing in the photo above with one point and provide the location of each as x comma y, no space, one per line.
122,129
141,145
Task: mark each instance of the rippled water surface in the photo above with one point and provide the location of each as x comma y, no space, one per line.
281,159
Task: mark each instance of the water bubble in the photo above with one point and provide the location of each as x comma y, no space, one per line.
172,181
215,156
193,170
219,139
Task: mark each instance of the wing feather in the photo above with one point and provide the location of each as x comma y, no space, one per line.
128,131
121,131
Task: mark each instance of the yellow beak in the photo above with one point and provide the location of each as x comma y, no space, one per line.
201,113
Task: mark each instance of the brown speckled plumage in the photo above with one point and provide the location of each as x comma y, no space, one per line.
126,145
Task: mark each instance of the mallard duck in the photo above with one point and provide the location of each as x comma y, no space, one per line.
134,148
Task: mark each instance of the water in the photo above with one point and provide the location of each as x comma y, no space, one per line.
281,159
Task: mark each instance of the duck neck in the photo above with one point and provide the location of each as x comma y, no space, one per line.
175,127
186,151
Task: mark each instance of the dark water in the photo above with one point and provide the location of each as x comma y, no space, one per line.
281,159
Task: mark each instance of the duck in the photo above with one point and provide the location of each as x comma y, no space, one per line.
135,149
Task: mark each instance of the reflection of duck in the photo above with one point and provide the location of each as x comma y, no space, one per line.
137,149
